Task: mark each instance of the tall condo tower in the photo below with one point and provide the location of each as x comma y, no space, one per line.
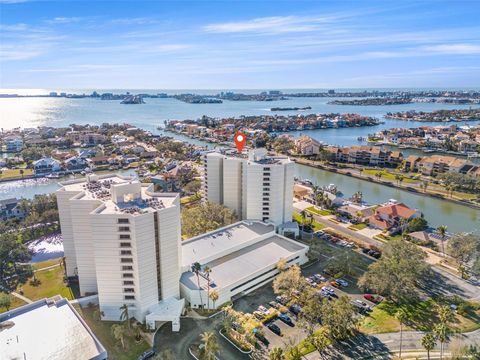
257,186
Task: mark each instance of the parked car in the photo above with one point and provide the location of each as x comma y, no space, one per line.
319,278
319,233
274,304
376,299
362,307
261,337
258,315
262,309
274,328
335,284
147,355
295,309
286,319
282,300
342,282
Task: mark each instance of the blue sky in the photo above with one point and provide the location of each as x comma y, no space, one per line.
239,44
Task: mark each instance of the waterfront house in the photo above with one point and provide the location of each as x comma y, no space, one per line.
307,146
76,163
46,166
13,144
411,163
9,208
360,212
392,215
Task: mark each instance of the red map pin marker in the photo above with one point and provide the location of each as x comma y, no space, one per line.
240,141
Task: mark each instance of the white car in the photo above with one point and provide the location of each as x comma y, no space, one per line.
342,282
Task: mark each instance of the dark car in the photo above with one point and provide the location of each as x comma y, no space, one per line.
366,251
262,338
286,319
275,329
295,309
147,355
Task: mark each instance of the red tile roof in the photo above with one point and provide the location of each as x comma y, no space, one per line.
397,210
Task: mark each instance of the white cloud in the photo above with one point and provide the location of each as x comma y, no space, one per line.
460,49
64,20
271,25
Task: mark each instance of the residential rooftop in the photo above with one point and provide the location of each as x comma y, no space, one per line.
48,329
119,194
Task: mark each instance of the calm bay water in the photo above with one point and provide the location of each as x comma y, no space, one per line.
29,112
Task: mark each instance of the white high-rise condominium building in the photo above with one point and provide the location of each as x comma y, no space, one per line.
123,240
257,187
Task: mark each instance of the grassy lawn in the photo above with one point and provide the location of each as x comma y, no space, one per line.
421,316
51,284
15,302
103,332
315,224
188,199
387,175
321,212
11,174
358,226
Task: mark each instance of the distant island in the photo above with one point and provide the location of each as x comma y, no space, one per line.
133,99
290,108
373,101
437,115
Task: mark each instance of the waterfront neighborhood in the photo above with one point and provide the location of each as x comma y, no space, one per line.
235,180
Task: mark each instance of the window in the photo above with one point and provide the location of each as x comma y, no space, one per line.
128,290
129,297
127,267
128,282
124,228
123,221
126,260
128,275
126,252
124,237
125,244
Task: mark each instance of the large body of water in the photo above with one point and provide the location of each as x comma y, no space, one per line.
29,112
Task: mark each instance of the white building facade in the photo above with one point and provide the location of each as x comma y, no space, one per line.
257,187
123,241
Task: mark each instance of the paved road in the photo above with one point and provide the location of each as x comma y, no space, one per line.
446,283
374,346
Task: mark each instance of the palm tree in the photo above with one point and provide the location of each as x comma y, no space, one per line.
449,188
276,354
207,271
401,316
210,346
442,332
428,342
124,315
442,230
303,215
425,185
196,267
214,297
378,175
22,172
118,332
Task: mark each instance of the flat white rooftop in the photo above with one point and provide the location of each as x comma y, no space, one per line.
47,330
241,264
221,240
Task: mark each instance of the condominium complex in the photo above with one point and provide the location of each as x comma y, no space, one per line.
256,187
123,241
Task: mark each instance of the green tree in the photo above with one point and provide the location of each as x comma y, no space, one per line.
288,281
214,297
311,310
124,315
464,248
399,273
319,341
428,342
5,301
205,217
442,230
344,263
340,318
207,272
424,185
276,354
442,328
210,346
196,268
416,224
118,333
